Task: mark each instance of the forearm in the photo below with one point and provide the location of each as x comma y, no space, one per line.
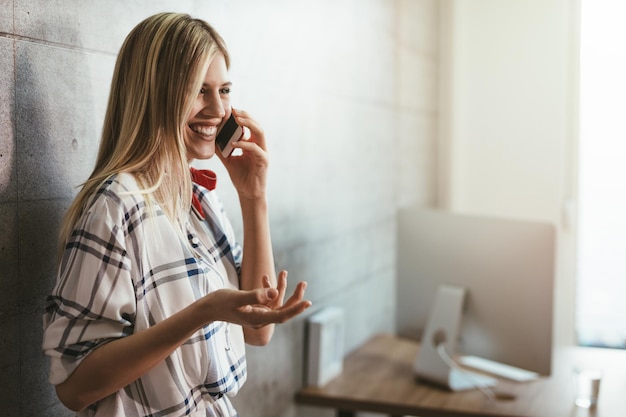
258,258
116,364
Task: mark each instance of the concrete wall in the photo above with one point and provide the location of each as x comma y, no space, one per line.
347,94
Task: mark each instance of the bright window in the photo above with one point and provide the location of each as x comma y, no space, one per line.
601,292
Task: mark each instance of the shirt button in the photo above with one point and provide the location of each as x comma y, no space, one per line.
195,240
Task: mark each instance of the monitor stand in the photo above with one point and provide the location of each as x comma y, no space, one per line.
442,329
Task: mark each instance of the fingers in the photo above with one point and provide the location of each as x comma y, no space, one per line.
281,286
266,282
297,296
258,309
263,306
283,275
244,119
290,312
259,316
249,146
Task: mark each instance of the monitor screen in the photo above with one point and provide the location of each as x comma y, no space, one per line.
507,268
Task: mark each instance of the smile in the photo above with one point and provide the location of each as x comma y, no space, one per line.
204,130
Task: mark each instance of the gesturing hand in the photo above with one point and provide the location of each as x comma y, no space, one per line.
260,307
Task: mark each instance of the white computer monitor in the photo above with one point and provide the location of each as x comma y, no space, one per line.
507,268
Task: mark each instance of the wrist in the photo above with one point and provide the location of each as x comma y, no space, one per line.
202,312
253,202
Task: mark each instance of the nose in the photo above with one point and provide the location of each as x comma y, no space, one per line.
213,106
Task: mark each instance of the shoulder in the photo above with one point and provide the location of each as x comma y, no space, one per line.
118,199
120,188
120,185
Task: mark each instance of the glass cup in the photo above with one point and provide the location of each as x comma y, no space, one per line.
587,385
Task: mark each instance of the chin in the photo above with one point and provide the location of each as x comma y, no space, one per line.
203,157
202,153
199,147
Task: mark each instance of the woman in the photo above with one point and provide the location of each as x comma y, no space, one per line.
154,298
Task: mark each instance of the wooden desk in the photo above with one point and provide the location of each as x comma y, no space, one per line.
378,377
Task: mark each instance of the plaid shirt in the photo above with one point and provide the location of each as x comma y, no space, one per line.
123,271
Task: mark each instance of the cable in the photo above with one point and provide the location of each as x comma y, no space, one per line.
443,354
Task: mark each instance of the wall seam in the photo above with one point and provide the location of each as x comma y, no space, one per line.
20,305
52,43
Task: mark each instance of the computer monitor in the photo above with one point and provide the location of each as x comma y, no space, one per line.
507,269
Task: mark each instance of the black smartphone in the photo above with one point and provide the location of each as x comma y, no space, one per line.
230,133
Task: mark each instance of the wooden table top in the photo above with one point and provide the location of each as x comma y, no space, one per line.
378,377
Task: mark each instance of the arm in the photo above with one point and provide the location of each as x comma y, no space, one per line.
118,363
258,260
248,173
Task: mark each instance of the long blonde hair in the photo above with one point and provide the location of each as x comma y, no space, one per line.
157,76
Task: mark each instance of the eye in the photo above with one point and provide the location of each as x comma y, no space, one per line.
202,91
225,90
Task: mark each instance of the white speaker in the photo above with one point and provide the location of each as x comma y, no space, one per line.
325,346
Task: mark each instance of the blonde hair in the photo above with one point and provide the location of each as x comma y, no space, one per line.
157,76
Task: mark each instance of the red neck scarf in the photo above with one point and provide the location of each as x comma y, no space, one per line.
205,178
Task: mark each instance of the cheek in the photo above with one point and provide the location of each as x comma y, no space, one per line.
197,107
187,137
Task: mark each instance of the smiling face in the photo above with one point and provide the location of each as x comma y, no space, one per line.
210,109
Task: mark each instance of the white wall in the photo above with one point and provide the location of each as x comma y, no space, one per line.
509,104
346,91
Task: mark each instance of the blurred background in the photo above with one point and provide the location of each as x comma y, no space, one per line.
369,106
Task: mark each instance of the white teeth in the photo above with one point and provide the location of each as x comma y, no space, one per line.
204,130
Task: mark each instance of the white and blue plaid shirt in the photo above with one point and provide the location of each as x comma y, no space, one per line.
123,271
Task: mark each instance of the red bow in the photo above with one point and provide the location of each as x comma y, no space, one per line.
205,178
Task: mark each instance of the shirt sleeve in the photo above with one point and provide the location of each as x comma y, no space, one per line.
93,301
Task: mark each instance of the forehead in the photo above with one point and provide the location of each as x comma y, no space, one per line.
216,73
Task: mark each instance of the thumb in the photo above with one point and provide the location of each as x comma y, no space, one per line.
270,293
261,295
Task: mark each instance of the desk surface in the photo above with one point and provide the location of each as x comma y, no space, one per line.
378,377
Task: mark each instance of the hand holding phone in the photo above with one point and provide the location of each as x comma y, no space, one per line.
230,133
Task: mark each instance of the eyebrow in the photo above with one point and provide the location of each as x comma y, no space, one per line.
226,84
